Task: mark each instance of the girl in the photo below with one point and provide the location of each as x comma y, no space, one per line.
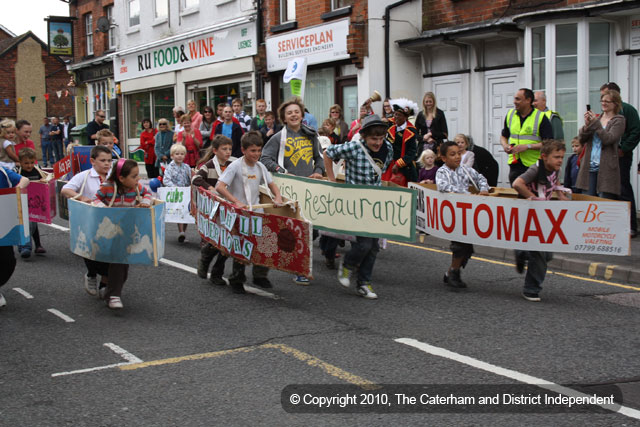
148,143
8,156
196,117
387,111
431,124
163,139
121,189
468,158
178,174
206,127
330,124
428,171
178,112
365,110
191,139
341,129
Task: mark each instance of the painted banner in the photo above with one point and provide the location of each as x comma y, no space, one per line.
42,201
81,158
583,225
63,167
63,204
117,235
276,239
177,204
14,217
361,210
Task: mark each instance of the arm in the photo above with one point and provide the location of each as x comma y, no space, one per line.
328,166
410,150
443,183
11,152
480,180
269,156
221,188
612,134
169,176
204,132
200,178
277,197
197,138
318,161
440,131
521,187
504,137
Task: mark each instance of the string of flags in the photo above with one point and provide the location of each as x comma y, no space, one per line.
62,93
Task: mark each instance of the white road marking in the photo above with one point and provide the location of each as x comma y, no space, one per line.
514,375
178,265
24,293
61,315
130,359
57,227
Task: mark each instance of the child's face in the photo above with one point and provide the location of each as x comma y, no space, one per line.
107,141
223,153
102,163
374,142
553,161
452,158
462,144
178,156
576,147
27,164
24,132
130,181
11,134
237,107
252,154
268,120
429,159
261,107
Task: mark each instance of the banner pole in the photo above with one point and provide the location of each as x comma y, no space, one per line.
153,236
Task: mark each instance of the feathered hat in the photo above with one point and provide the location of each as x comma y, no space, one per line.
407,106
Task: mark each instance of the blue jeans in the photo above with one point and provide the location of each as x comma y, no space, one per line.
362,256
58,149
328,246
536,271
47,153
35,235
593,188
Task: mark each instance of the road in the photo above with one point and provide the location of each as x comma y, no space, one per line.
186,353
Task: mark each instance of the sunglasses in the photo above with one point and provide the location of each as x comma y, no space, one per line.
103,117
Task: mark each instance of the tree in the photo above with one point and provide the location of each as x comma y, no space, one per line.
60,40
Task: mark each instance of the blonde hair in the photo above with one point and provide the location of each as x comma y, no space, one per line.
424,155
5,125
177,147
463,137
615,98
433,98
163,122
104,133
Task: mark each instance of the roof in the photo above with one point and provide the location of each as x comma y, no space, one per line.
494,26
9,44
6,30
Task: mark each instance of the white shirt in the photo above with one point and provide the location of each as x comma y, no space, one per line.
233,177
91,187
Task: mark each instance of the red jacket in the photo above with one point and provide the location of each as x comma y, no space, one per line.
148,143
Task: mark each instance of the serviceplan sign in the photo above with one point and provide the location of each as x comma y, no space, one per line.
319,44
222,45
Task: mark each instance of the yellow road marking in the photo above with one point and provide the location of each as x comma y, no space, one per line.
593,267
608,272
571,276
285,349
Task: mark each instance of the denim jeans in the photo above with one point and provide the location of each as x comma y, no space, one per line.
47,153
362,256
536,271
328,246
35,235
58,150
593,186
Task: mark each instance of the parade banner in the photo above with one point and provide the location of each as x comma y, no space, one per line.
361,210
63,204
117,235
177,204
277,238
63,167
42,201
14,217
81,158
582,225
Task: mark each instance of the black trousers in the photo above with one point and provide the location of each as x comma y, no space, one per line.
626,190
8,258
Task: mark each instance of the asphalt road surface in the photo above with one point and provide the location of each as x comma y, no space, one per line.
184,352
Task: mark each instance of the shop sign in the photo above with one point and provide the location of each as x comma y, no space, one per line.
216,46
320,44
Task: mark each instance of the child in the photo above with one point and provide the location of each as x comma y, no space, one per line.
365,162
106,137
29,169
178,174
121,189
467,157
270,127
239,184
572,168
452,177
428,171
8,156
538,183
207,177
83,187
243,118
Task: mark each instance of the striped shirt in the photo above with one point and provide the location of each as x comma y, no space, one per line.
127,199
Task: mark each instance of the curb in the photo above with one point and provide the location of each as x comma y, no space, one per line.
596,270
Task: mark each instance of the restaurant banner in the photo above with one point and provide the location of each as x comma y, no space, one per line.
14,217
582,225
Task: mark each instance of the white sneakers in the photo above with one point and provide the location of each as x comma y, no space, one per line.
115,303
91,285
3,302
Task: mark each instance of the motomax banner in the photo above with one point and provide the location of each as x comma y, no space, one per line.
359,210
587,226
275,241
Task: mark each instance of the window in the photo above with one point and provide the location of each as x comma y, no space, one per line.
155,105
339,4
161,9
287,10
99,97
134,13
538,58
190,4
598,59
228,92
111,35
567,76
319,92
88,30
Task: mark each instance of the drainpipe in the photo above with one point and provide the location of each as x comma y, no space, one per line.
387,23
259,41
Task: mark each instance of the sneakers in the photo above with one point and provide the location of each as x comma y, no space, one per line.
237,288
91,285
453,280
115,303
40,250
219,281
181,238
330,263
301,280
202,269
344,276
3,302
102,292
25,253
531,297
366,291
263,282
521,260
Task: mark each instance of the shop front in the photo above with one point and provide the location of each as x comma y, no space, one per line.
214,66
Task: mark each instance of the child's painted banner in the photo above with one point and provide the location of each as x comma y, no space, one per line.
590,225
177,204
81,158
360,210
42,201
14,217
117,235
63,167
269,239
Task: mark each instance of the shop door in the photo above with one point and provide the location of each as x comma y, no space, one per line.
448,93
348,99
500,89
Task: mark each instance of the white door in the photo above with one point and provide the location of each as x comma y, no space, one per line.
448,98
500,89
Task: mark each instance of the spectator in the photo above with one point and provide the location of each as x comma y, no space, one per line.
148,145
164,140
310,120
66,129
206,127
257,122
238,113
365,110
387,111
191,139
94,126
45,140
571,169
231,130
271,126
342,129
540,103
178,112
56,139
23,133
196,117
431,125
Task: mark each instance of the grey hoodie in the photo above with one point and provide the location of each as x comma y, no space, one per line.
302,157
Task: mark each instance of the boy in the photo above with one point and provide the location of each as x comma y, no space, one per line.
538,183
107,138
364,165
83,187
239,184
257,123
29,169
178,174
238,113
452,177
207,177
572,168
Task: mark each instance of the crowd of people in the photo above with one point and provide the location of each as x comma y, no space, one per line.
232,153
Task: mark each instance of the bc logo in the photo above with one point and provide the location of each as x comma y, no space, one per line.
590,215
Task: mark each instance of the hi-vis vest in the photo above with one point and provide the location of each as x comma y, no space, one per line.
527,133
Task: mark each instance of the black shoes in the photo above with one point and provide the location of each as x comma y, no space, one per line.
453,280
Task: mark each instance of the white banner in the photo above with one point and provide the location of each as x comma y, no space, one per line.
597,227
177,204
319,44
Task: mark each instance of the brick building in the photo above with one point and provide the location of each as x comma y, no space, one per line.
27,73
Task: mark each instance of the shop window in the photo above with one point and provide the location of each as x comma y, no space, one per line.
318,94
134,13
100,97
160,9
228,92
339,4
155,105
163,103
598,59
567,76
190,4
538,60
287,10
88,30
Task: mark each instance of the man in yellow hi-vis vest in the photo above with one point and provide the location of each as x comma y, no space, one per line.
523,132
